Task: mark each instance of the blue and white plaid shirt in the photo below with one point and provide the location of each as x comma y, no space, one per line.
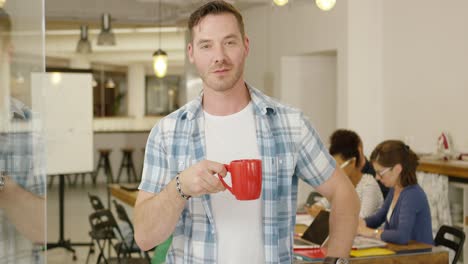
290,149
22,156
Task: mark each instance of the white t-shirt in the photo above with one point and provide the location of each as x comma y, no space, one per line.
238,224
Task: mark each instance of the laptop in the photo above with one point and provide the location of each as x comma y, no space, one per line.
316,235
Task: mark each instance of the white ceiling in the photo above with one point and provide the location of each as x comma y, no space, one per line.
66,14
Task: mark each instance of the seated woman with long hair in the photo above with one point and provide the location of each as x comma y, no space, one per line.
405,213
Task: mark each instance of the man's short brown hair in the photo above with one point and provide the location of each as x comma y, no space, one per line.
214,8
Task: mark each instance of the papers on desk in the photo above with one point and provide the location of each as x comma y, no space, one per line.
367,252
361,242
309,253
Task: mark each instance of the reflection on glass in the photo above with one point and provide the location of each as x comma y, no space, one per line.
22,177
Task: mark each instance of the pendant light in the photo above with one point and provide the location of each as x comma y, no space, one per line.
160,56
83,46
325,5
280,2
110,84
106,37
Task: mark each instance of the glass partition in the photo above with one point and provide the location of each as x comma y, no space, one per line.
22,148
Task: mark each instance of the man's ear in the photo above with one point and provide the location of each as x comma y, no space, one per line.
190,52
246,45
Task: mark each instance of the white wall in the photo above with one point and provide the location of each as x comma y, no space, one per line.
364,109
401,65
311,86
425,71
298,29
310,83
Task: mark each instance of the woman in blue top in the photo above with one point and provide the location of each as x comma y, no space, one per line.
405,212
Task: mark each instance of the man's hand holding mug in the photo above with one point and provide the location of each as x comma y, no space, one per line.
246,178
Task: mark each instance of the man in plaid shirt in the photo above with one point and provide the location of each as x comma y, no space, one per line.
180,194
22,173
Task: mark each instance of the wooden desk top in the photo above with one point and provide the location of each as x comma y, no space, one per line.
413,253
452,168
128,197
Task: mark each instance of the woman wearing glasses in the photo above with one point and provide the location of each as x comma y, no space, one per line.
405,212
345,146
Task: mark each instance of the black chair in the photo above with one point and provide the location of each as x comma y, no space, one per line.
456,244
96,202
97,205
103,231
132,246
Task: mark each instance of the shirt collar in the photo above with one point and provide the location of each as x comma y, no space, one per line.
262,104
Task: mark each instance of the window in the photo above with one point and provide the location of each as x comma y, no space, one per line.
162,94
109,93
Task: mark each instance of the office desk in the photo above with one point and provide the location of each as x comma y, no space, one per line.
414,253
128,197
423,255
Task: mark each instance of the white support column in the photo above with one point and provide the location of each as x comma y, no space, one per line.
365,104
136,90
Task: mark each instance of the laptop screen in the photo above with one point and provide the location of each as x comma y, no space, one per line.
318,230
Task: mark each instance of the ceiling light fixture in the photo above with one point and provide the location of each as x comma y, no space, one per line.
325,5
110,84
84,46
2,3
280,2
160,56
106,37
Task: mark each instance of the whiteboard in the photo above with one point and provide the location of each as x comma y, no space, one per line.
64,102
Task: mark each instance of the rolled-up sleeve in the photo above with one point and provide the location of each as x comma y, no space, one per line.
314,163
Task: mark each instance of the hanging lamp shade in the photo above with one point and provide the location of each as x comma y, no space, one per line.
2,3
325,5
110,84
160,63
106,37
280,2
83,46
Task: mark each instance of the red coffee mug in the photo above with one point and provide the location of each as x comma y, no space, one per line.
246,178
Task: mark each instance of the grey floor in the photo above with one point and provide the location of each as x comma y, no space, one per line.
76,225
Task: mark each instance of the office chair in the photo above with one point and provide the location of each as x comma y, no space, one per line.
456,244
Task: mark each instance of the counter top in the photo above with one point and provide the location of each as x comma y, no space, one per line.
125,124
452,168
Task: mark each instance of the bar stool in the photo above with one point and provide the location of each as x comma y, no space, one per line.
127,163
83,176
104,163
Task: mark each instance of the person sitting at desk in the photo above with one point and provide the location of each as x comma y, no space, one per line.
406,211
346,148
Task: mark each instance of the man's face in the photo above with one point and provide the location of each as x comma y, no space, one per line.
218,51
